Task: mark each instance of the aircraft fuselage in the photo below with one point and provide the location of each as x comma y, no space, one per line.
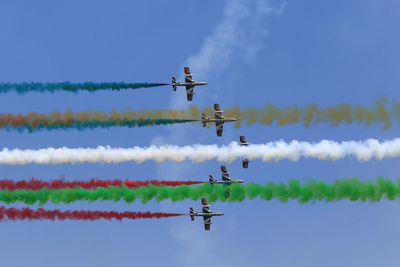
189,84
219,120
211,214
232,181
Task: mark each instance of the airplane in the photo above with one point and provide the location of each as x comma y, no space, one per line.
219,119
226,180
206,214
189,83
243,142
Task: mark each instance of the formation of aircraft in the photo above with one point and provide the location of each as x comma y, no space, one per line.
206,214
189,83
226,180
219,119
245,161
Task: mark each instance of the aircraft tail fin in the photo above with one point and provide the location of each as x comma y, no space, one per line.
245,163
173,83
191,214
243,141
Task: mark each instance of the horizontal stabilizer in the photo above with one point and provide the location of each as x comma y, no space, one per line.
191,214
211,179
173,83
204,117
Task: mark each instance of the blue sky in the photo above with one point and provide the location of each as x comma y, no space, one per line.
251,53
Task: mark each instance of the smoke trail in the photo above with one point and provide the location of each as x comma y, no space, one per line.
314,115
13,214
351,189
273,151
87,119
34,184
309,115
282,116
21,88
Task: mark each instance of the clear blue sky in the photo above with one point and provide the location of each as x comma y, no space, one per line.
250,52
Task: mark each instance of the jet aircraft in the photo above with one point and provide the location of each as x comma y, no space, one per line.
243,142
206,214
219,119
189,83
226,180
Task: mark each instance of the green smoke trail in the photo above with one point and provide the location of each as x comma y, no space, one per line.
351,189
21,88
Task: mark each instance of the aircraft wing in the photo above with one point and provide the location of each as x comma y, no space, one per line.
225,174
219,114
188,75
206,207
189,92
220,127
207,223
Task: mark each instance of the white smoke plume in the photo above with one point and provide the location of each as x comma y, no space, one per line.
269,152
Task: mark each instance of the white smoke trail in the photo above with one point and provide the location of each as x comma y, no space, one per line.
272,151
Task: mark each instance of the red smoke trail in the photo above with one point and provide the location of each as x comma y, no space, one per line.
12,214
34,184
